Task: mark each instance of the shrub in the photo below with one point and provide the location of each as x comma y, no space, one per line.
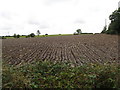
32,35
45,74
16,36
75,33
46,34
3,37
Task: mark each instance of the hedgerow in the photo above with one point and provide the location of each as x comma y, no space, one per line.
46,74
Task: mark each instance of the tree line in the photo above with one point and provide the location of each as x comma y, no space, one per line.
18,35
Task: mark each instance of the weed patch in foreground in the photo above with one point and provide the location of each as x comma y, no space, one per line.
45,74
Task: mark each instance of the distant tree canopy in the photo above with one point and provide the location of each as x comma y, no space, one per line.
32,35
2,37
114,26
79,31
16,36
38,32
46,34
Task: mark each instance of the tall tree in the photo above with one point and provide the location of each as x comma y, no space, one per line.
38,32
114,26
14,35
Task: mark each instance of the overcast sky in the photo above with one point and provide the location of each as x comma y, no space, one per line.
54,16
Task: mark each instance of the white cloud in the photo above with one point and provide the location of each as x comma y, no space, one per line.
50,2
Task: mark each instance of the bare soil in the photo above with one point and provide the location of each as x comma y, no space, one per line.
78,49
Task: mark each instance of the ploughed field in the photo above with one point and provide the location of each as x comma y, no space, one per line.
78,49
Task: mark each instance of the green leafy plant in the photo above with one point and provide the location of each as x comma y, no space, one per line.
46,74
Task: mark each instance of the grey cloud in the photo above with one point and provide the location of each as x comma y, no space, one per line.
6,15
11,27
5,28
79,22
41,25
93,9
33,22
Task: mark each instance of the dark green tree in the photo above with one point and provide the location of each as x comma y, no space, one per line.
79,31
18,36
104,29
46,34
114,26
32,35
14,35
38,32
3,37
